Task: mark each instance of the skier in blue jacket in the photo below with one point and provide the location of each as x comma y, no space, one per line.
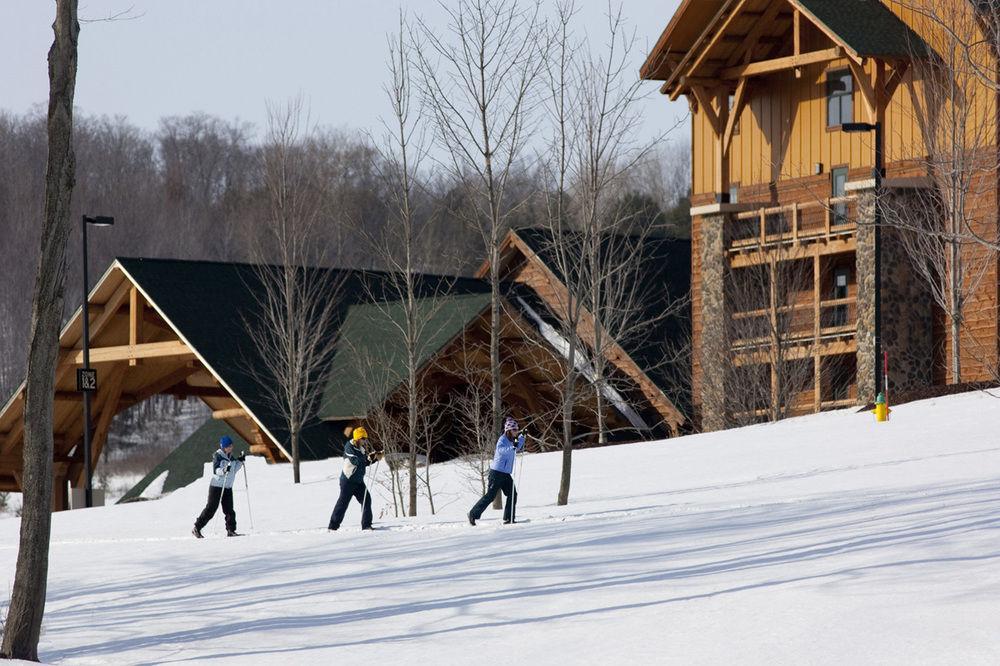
220,488
501,470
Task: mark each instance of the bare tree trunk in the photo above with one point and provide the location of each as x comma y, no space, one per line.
27,604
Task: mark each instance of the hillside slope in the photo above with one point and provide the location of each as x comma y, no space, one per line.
825,539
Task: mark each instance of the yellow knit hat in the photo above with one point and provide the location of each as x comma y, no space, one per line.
359,434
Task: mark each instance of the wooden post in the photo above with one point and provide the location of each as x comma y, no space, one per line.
135,317
797,38
817,359
108,410
775,341
795,223
763,227
721,153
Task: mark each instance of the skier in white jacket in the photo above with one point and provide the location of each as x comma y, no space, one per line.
220,488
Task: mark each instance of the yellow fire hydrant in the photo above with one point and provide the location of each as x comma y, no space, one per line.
881,410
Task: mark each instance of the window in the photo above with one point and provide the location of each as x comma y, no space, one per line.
841,277
838,189
736,125
839,98
734,194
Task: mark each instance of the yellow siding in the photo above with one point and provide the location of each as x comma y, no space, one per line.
783,129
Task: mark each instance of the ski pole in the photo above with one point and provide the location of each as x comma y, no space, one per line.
367,491
246,485
520,471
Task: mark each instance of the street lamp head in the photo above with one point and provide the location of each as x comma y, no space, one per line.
99,220
851,128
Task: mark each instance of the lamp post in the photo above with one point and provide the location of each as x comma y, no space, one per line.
879,174
97,221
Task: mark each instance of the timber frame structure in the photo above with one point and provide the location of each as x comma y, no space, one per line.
138,353
524,261
778,188
179,328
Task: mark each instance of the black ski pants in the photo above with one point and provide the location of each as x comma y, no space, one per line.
358,491
497,482
214,493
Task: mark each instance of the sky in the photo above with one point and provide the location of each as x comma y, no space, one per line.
228,58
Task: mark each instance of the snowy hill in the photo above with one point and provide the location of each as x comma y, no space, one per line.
820,540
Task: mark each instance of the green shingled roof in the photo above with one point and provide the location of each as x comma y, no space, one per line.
866,26
186,463
371,357
209,303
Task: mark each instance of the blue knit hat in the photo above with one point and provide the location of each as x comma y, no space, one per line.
225,441
509,424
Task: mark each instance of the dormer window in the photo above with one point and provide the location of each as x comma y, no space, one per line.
839,98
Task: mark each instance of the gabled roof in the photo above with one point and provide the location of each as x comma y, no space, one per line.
862,28
866,28
663,272
210,303
370,361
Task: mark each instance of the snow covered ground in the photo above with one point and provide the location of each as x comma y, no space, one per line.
821,540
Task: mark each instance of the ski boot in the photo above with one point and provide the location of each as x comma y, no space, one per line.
197,533
472,521
230,533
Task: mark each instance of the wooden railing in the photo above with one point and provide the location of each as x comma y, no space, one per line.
797,322
794,223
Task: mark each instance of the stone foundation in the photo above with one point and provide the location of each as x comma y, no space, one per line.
907,307
714,338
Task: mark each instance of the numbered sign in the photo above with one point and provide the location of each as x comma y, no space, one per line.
86,380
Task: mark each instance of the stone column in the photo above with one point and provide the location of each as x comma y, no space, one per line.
907,306
865,276
714,350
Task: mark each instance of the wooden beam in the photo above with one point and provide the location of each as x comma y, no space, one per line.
739,101
173,349
234,413
135,321
77,396
733,13
111,308
681,67
781,64
745,50
899,70
797,38
865,85
108,411
182,389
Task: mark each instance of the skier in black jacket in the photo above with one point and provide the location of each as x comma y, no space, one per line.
220,488
352,480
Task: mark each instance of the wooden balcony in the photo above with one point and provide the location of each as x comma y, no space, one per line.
826,226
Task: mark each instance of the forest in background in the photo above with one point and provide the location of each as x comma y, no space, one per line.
193,189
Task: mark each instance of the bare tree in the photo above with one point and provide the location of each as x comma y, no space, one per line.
298,304
410,304
565,243
473,407
27,603
478,79
606,151
772,322
955,110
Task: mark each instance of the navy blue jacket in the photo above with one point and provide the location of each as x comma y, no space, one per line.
355,463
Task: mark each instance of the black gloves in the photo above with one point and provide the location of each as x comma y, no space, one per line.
242,457
372,457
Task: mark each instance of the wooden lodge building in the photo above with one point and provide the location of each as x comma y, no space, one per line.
180,328
783,202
